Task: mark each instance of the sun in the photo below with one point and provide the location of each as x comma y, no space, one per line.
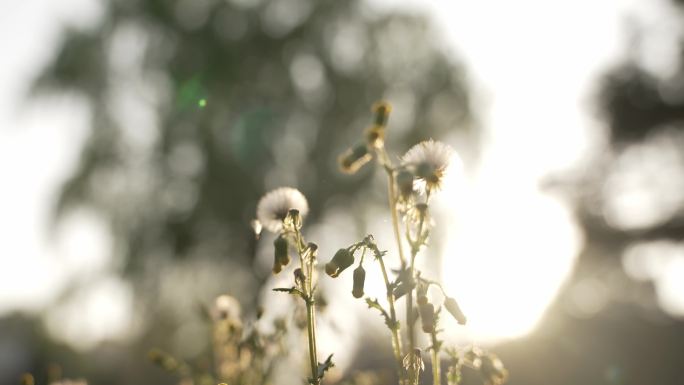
509,248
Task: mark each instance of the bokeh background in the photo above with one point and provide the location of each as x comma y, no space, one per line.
136,137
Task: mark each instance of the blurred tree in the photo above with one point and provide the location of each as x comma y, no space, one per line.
608,327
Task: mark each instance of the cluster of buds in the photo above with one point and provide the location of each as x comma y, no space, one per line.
344,258
490,367
241,352
374,138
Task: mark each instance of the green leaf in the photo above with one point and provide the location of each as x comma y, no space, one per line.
292,290
324,367
374,304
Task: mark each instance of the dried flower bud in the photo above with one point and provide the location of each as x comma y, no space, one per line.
375,136
492,370
299,277
293,219
310,253
359,279
401,289
381,110
427,316
404,180
282,254
342,259
354,158
405,283
452,307
413,363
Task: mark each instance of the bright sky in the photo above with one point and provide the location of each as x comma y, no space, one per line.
532,63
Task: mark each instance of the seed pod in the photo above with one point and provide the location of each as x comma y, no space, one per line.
354,158
381,110
452,307
404,181
282,254
427,317
342,259
359,278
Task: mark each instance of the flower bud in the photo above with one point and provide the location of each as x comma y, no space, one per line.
404,180
401,289
375,136
331,269
354,158
282,254
342,259
359,278
310,253
293,219
452,307
299,277
381,110
427,317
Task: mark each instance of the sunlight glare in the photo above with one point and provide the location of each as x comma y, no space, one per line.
510,250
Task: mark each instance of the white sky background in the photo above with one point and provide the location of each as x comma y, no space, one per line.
532,64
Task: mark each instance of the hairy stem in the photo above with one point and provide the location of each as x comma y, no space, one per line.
415,247
309,299
396,340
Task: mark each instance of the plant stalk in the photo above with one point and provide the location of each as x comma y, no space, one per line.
309,299
396,340
436,365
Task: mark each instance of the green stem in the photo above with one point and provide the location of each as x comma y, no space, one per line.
392,196
311,328
396,341
436,376
415,247
309,299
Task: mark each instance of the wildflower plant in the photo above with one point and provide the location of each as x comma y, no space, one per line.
248,357
282,211
412,182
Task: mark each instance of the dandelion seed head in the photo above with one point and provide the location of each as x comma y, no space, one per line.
225,307
273,207
429,160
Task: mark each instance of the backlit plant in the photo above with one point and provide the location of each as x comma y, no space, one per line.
248,358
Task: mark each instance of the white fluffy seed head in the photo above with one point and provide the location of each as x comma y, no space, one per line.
225,307
429,160
273,207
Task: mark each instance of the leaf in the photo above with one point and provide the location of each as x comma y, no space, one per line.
324,367
292,290
374,304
